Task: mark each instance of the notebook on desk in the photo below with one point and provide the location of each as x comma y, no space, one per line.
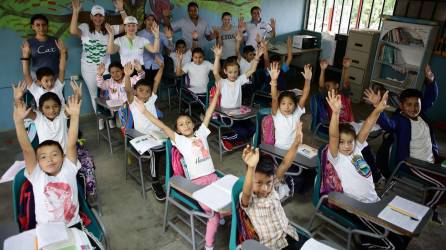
145,142
403,213
217,195
114,103
307,151
237,111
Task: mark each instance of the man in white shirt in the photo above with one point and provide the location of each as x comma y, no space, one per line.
258,29
192,24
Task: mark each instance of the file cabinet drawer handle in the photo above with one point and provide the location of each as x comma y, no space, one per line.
355,61
358,44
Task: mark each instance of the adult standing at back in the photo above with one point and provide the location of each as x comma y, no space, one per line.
44,51
256,29
150,65
226,36
94,38
193,27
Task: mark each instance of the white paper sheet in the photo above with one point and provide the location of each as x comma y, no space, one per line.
357,126
307,151
218,194
50,233
402,220
12,171
145,142
22,241
312,244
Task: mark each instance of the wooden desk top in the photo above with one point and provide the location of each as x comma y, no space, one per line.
370,211
300,160
187,188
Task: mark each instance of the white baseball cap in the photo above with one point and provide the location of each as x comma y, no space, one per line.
130,19
97,9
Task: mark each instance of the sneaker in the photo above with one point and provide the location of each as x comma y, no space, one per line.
227,145
158,191
437,218
101,124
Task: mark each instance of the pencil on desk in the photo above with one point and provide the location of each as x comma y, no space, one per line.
402,211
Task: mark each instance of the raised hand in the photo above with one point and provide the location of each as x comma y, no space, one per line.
371,97
428,73
241,23
76,6
155,29
382,105
308,73
217,88
19,90
334,101
259,52
238,36
275,71
139,105
323,64
346,62
77,88
179,56
137,65
109,29
289,42
119,4
194,35
218,50
258,38
216,32
101,69
251,156
61,46
272,23
26,49
20,111
73,107
128,69
168,32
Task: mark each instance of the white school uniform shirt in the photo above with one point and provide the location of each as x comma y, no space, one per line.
140,122
56,130
196,152
244,65
37,91
231,92
198,75
355,174
55,197
187,57
94,45
420,141
130,49
285,127
262,28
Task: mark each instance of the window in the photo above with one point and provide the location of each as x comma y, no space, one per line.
338,16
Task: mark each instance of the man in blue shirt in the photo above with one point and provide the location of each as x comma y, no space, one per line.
150,65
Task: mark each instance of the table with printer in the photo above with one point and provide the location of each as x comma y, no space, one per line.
304,50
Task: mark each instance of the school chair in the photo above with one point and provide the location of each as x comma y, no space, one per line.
130,134
235,220
169,80
191,99
259,95
408,178
319,118
183,201
96,227
333,216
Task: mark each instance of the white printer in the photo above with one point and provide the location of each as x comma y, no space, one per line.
304,42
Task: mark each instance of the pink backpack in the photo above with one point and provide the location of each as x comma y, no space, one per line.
267,136
176,162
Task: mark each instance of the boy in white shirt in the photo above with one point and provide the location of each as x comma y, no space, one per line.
231,94
53,174
145,90
180,48
45,78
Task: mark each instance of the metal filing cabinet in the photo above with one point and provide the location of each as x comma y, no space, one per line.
361,49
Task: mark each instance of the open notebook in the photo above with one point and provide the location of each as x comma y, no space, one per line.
404,213
145,142
217,195
307,151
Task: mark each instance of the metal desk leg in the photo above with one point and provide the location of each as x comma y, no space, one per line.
142,178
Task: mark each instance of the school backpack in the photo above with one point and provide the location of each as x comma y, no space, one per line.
330,181
267,129
246,230
177,162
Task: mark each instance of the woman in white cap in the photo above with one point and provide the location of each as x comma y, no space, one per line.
94,37
131,47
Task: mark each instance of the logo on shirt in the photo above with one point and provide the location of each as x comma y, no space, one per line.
361,166
60,205
200,151
41,50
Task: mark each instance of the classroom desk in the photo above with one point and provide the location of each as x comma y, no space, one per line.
226,112
370,212
129,135
187,188
301,57
102,102
301,161
253,245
